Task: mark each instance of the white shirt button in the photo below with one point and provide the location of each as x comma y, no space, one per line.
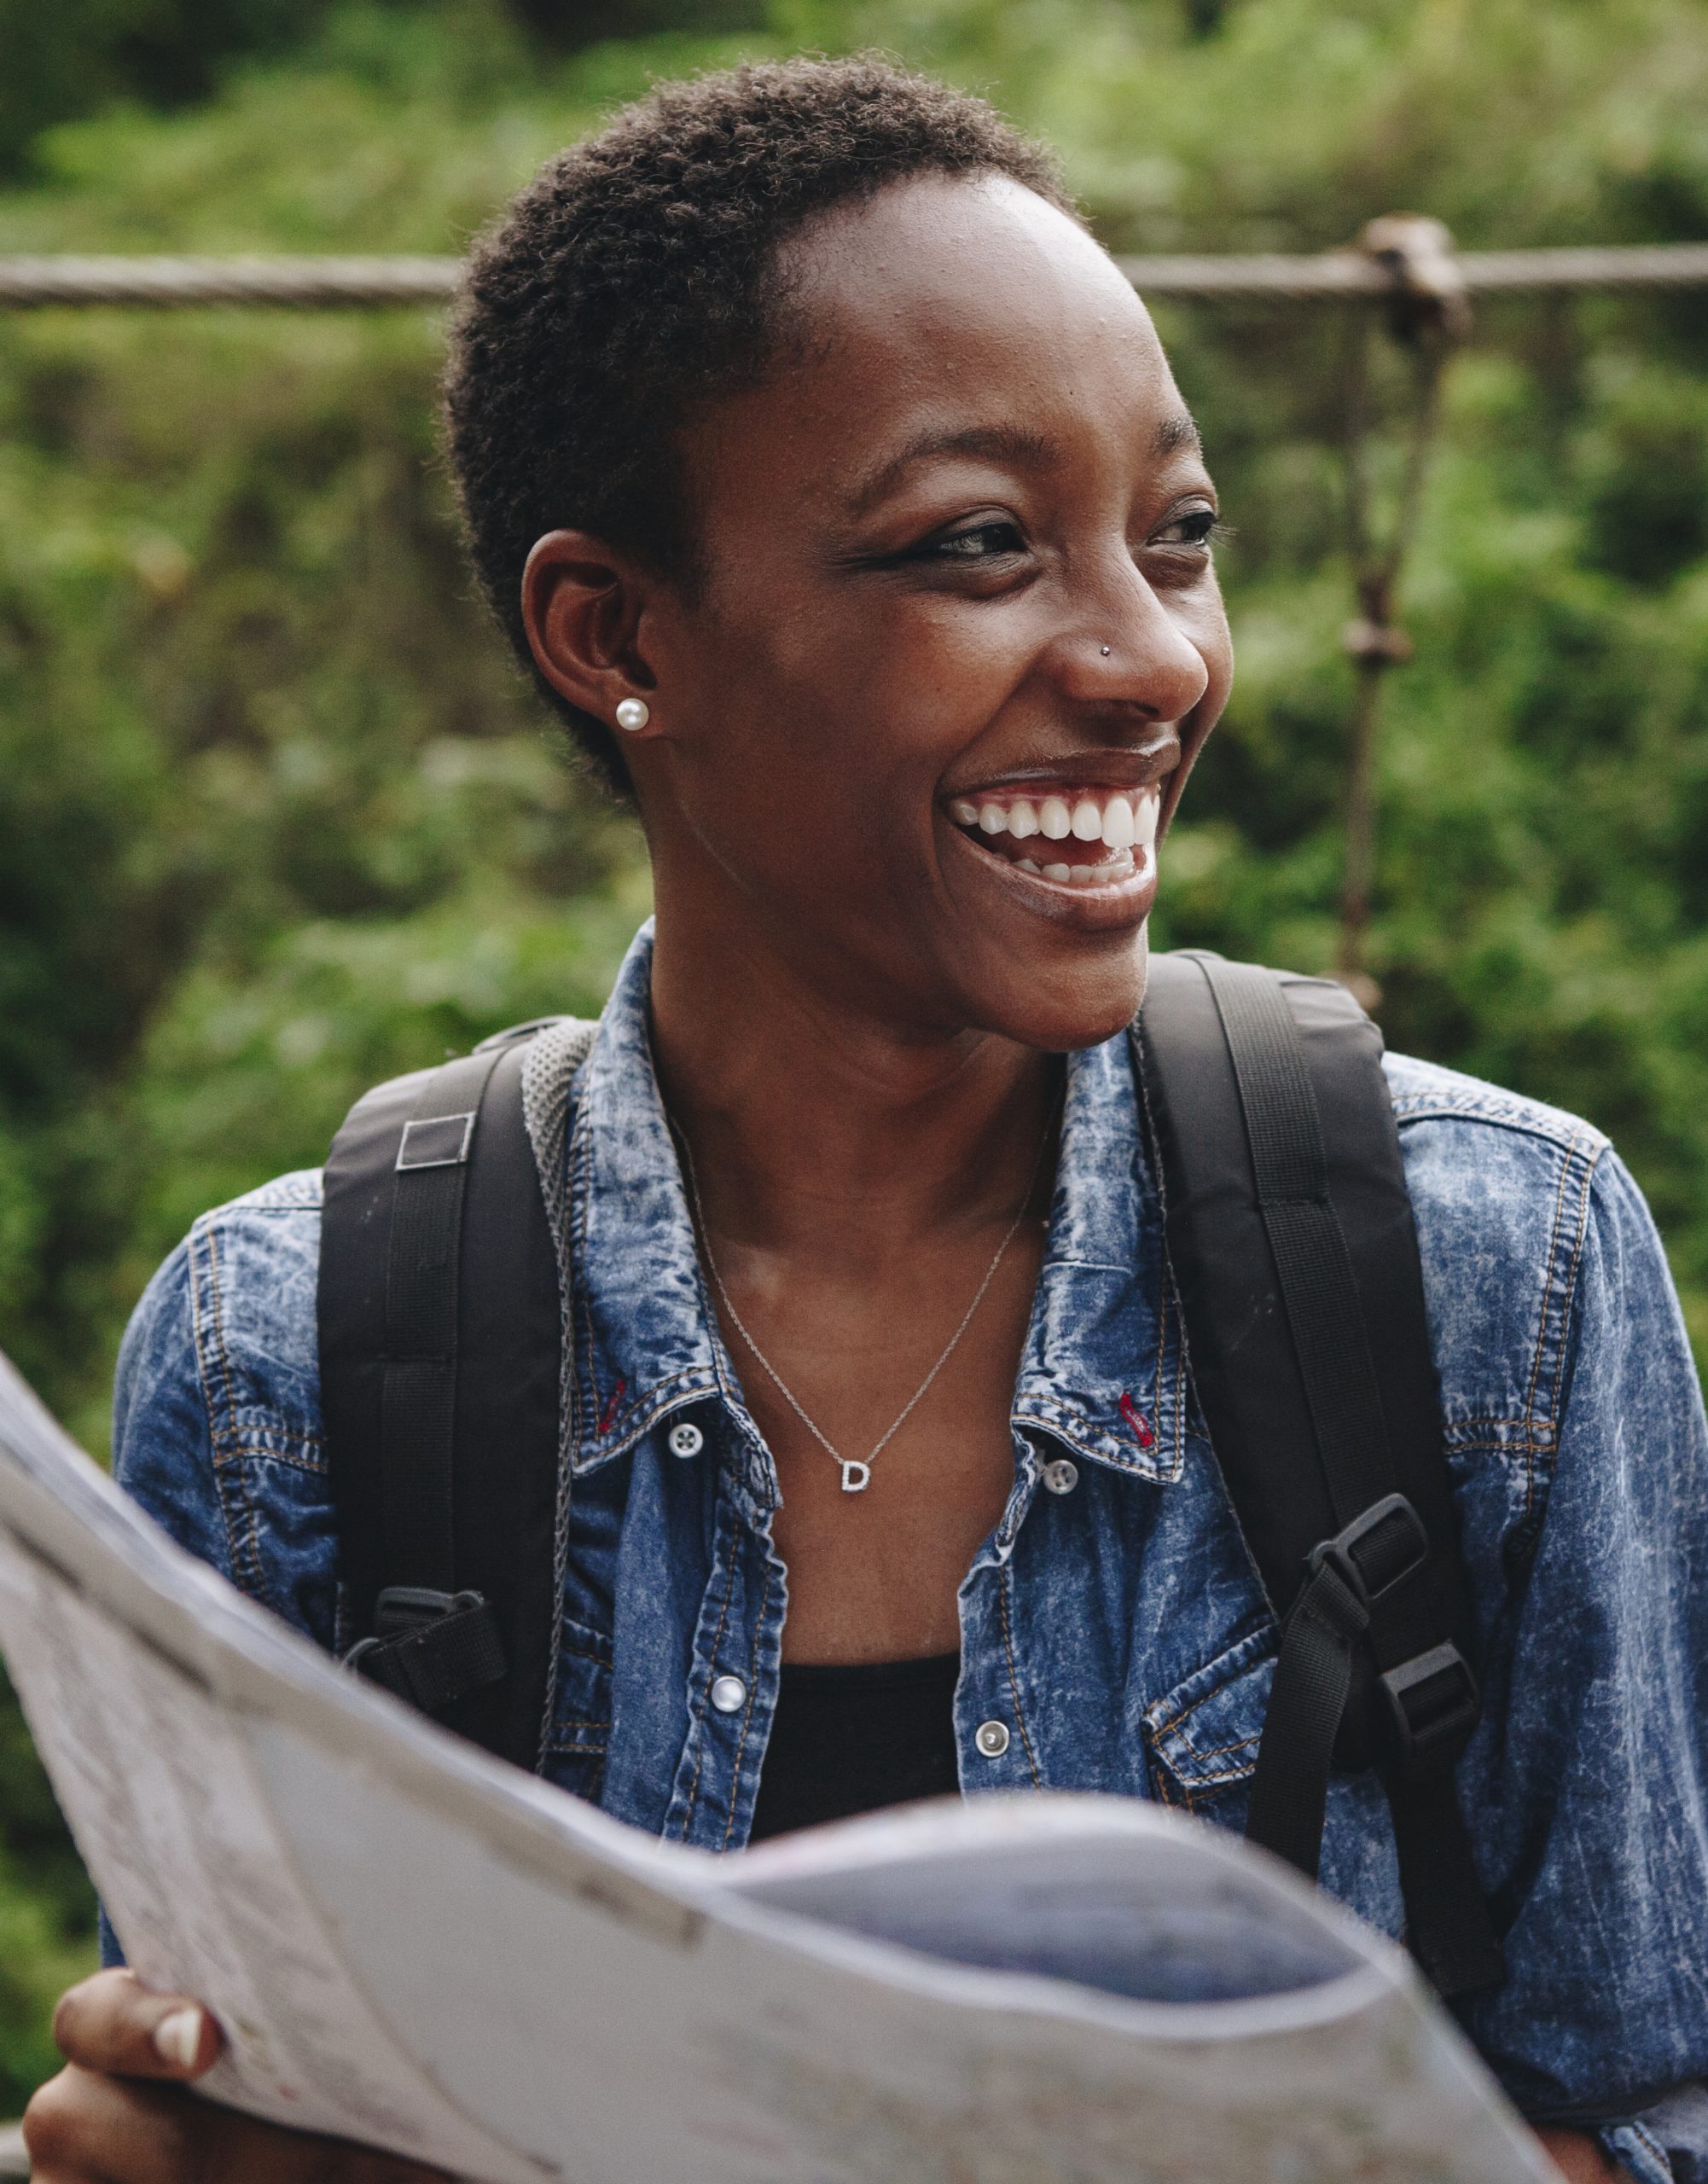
992,1739
688,1440
1062,1477
729,1693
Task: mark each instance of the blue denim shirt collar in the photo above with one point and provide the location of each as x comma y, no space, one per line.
1099,1371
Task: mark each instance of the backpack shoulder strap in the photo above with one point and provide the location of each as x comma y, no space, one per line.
1291,1238
440,1341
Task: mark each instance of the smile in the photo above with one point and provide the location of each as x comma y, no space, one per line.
1077,837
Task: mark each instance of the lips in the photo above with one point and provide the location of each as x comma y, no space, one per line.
1075,836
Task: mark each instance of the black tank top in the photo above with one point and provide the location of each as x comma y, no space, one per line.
848,1740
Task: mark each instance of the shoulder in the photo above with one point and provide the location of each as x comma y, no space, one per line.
1502,1189
217,1419
1543,1275
1477,1115
235,1304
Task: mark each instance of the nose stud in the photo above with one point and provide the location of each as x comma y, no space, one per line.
633,713
1105,652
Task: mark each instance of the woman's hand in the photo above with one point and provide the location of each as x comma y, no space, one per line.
115,2116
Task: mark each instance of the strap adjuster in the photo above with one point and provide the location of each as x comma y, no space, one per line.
429,1647
402,1608
1377,1551
1435,1704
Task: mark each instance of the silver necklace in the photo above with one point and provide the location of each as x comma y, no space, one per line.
857,1473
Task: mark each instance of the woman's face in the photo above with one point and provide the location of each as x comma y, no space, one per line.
957,635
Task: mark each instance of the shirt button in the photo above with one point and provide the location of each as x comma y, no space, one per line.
688,1440
729,1693
1062,1477
992,1739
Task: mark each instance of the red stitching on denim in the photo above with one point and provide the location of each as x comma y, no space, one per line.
1142,1430
608,1417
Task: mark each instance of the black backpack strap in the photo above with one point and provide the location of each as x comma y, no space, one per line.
1292,1243
440,1342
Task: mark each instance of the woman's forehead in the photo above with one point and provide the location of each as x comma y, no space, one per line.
952,317
928,260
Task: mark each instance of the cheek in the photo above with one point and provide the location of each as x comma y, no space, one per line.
854,715
809,776
1205,620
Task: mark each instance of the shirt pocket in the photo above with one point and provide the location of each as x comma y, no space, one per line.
1201,1739
581,1711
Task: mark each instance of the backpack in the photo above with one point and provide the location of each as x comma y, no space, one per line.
1292,1250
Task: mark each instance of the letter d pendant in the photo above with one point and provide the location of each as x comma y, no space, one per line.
856,1477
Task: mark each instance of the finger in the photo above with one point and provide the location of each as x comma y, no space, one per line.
240,2149
82,2128
113,2022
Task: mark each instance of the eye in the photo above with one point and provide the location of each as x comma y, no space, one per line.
1194,527
981,541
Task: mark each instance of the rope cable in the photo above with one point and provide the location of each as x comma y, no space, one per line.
324,283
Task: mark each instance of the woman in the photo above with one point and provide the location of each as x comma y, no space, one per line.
835,487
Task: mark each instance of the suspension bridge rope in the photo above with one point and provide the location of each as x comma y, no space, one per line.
304,283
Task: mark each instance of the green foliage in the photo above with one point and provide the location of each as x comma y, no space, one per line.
73,57
81,56
278,818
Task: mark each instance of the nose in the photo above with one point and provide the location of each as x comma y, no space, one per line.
1121,646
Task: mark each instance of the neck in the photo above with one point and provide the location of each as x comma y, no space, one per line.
817,1127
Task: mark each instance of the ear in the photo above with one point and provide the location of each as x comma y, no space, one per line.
583,603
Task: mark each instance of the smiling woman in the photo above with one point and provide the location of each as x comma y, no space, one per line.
835,488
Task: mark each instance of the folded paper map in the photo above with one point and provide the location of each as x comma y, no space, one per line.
409,1943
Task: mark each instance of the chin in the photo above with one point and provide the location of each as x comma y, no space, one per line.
1067,1007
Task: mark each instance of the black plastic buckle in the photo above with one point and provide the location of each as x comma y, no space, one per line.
1377,1551
412,1607
429,1647
1435,1704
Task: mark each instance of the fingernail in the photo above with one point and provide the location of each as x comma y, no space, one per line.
178,2038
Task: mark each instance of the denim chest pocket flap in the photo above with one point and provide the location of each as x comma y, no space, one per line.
1202,1737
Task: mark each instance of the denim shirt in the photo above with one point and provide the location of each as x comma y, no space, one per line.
1111,1623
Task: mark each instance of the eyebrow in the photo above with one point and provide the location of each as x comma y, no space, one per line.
1012,443
1176,433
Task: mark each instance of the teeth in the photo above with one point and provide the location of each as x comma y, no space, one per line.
1121,821
1058,872
1028,864
1079,875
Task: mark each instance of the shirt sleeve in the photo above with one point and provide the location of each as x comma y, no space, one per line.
162,1435
1593,1825
216,1409
162,1444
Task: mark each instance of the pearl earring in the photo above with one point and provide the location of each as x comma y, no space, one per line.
633,713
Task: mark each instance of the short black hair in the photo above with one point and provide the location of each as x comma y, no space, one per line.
637,275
